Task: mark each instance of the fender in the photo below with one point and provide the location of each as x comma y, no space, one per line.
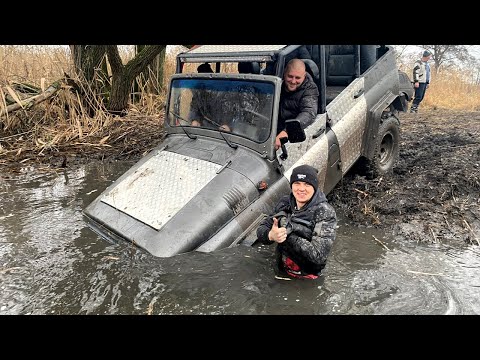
334,166
246,222
373,122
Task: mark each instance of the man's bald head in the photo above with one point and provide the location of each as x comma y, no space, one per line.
296,64
294,74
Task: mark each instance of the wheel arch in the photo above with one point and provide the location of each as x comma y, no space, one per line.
385,104
386,148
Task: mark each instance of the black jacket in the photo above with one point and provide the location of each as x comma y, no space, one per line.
307,245
301,104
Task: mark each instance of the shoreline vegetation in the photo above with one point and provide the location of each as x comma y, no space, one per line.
58,130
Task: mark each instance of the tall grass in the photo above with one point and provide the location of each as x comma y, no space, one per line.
32,63
449,90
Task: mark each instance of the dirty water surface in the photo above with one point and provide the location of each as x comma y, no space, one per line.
52,263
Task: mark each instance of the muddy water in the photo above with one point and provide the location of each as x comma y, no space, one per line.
52,263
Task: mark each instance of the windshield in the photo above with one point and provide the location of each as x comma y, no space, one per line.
242,107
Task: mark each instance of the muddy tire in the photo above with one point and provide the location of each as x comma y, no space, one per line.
386,149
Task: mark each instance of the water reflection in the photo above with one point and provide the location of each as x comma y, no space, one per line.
50,262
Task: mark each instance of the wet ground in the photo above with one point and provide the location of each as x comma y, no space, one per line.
433,193
406,244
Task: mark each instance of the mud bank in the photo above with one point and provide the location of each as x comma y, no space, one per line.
433,193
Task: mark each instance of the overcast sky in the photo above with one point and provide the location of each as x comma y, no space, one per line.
475,50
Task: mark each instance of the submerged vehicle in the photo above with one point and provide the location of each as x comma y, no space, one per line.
207,186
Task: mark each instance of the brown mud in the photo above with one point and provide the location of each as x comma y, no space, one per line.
431,196
433,193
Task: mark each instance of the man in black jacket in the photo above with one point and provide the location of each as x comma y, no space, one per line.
298,100
303,225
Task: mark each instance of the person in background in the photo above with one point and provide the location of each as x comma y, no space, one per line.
205,68
298,99
303,225
421,79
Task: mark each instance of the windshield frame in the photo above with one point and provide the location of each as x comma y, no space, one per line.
266,148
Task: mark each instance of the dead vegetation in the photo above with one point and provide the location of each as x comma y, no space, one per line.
53,125
448,90
60,144
60,130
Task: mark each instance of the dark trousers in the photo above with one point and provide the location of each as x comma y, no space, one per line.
419,94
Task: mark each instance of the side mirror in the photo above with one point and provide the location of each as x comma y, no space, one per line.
294,130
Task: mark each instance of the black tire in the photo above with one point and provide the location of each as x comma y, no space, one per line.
386,149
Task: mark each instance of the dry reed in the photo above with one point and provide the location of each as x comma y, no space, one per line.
447,90
63,122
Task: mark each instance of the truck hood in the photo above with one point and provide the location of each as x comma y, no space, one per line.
160,187
172,203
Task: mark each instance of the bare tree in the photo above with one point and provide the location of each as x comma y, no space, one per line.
152,77
91,66
472,71
445,56
124,75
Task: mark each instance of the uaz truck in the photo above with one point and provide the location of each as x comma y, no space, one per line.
207,187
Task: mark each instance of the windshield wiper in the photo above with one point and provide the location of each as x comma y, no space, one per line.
233,146
183,128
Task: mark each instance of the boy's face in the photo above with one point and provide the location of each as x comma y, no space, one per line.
302,192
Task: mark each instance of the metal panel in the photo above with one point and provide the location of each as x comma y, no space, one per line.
350,133
161,187
348,119
345,101
234,48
